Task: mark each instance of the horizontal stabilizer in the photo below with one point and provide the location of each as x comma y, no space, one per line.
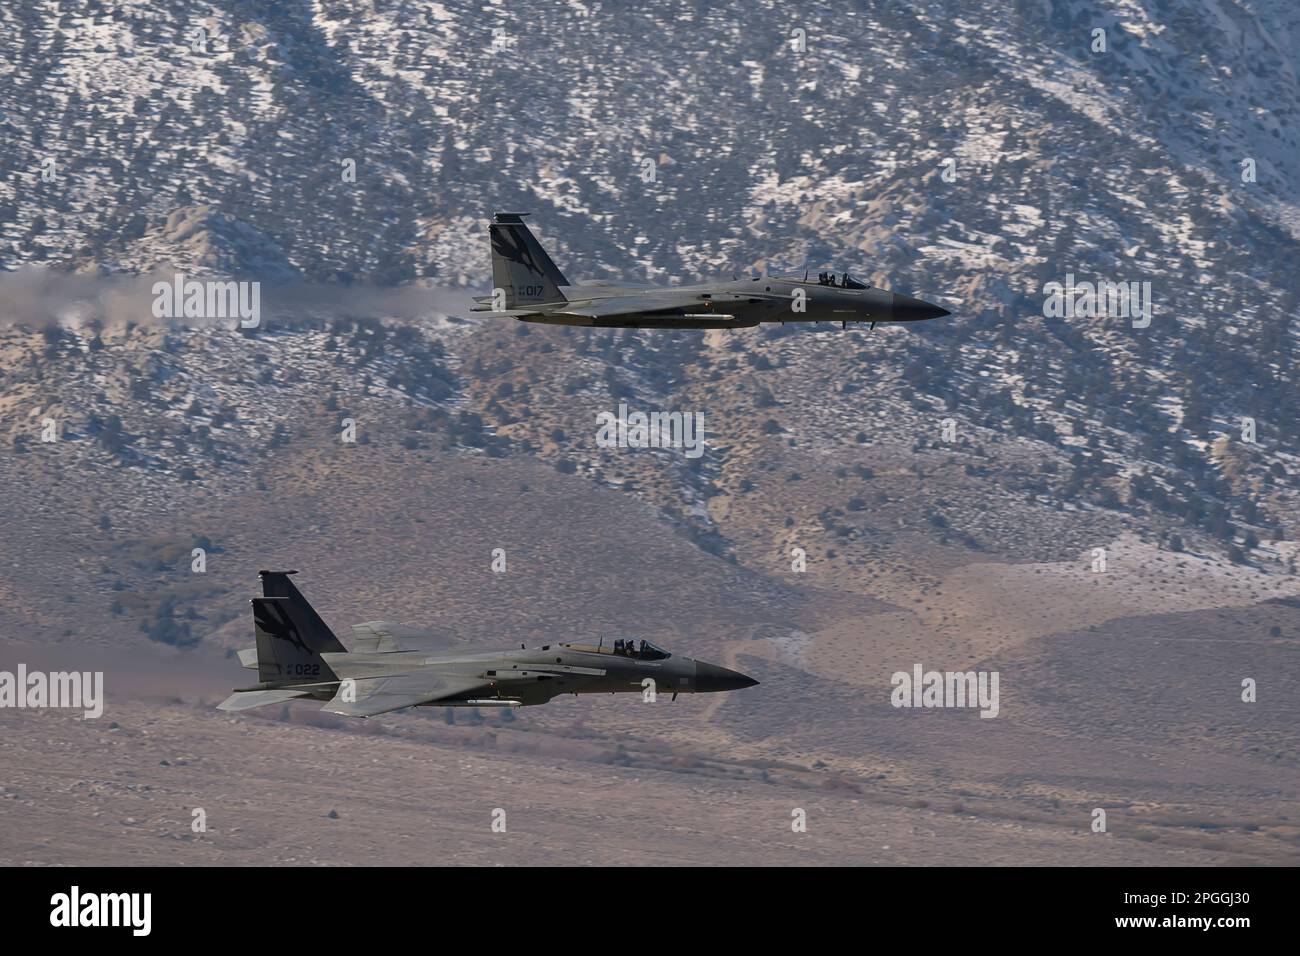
244,699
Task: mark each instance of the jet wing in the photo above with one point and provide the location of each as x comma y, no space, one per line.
721,307
632,305
533,671
379,695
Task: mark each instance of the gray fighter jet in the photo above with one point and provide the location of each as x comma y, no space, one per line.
298,656
527,285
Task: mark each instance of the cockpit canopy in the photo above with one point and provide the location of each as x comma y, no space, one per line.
646,652
842,281
624,648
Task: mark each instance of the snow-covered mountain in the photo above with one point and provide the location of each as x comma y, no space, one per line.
966,152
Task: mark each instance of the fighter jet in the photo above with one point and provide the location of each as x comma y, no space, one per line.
298,656
528,286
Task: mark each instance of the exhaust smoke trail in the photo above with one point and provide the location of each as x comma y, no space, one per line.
39,297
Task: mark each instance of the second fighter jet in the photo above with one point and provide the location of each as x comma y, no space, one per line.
391,666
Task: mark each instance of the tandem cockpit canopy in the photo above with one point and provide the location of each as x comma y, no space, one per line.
624,648
842,281
646,652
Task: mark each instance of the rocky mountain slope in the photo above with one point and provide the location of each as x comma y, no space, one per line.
223,153
948,484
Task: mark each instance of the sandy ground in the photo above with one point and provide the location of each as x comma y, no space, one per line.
124,792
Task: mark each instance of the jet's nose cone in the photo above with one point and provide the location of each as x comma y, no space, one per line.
711,677
907,309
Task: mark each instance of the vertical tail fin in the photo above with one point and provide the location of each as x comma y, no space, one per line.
284,656
316,633
520,266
